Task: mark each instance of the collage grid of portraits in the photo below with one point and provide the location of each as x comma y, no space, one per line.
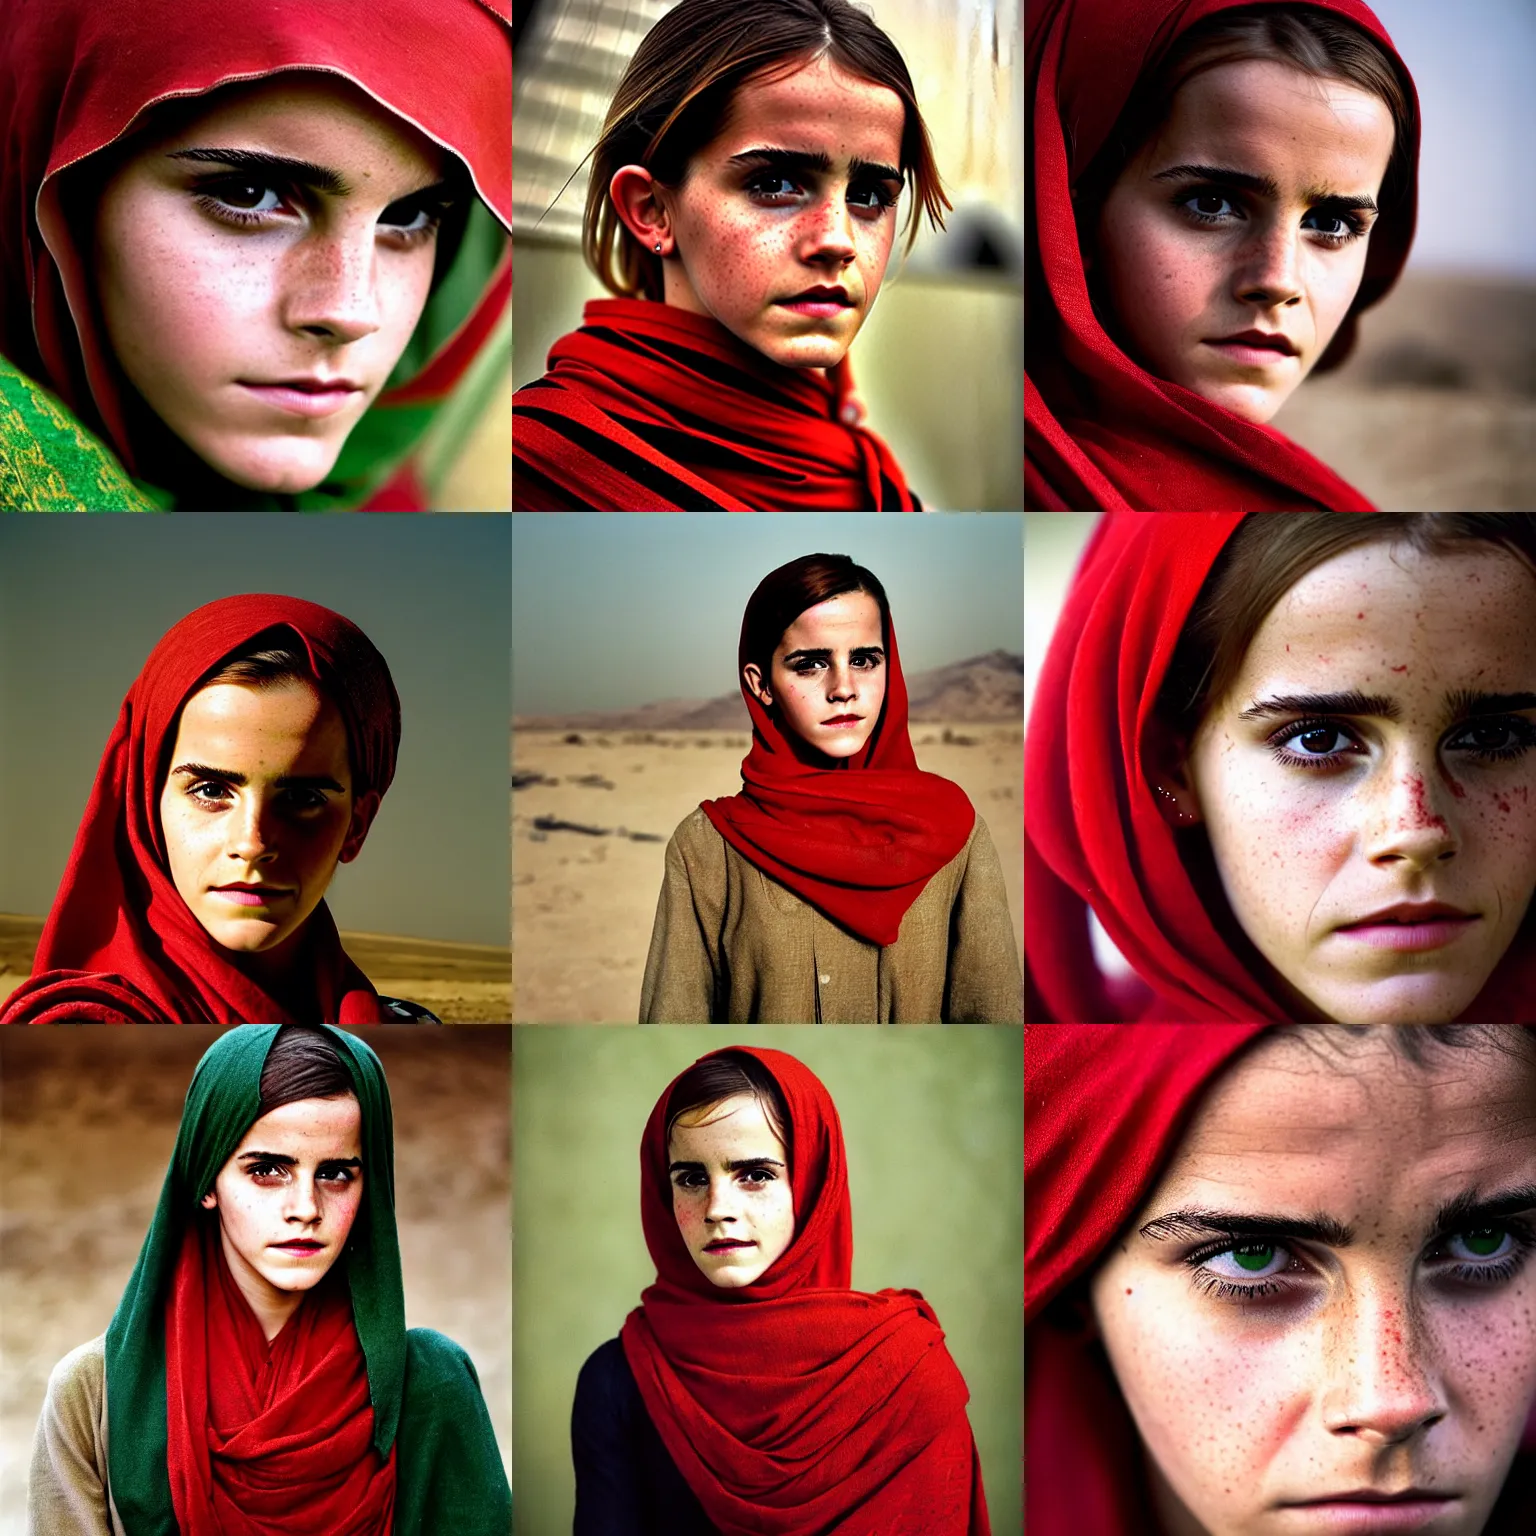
1196,1193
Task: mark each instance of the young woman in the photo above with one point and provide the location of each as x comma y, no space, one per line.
741,209
1290,764
843,885
752,1391
1217,192
257,1374
256,256
1344,1218
248,762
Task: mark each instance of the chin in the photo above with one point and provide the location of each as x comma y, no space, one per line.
282,470
806,351
245,938
1397,1000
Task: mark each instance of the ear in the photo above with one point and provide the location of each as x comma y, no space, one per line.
1165,761
210,1201
637,196
363,813
753,675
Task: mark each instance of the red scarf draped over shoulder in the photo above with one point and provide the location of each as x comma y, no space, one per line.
261,1436
1101,432
1094,836
795,1406
859,841
120,945
651,408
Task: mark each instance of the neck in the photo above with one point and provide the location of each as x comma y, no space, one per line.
272,1307
282,973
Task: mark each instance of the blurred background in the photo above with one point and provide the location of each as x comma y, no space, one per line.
940,359
932,1118
627,711
84,600
88,1118
1436,411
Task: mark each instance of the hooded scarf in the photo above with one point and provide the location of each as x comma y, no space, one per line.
858,841
1101,431
1094,836
795,1406
1106,1106
120,945
651,408
77,77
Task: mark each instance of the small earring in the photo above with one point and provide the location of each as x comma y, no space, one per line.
658,248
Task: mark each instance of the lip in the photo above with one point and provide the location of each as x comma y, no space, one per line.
1373,1513
298,1246
1267,341
822,302
844,720
251,895
306,396
726,1246
1411,926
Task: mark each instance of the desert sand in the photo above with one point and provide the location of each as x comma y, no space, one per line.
88,1118
584,893
460,983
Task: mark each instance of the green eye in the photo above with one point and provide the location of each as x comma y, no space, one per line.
1483,1243
1252,1257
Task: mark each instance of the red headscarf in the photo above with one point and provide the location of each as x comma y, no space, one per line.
860,841
795,1405
75,75
1093,833
267,1436
120,945
1105,1107
1101,431
651,408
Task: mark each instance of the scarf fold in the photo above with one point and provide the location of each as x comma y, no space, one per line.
120,945
651,408
795,1406
858,842
212,1432
1093,834
76,77
1102,433
267,1437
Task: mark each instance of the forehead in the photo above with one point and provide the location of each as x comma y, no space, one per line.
815,107
1300,1127
308,1129
851,618
1266,118
736,1127
277,730
1413,625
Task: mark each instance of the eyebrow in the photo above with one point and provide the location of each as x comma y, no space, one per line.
800,161
735,1165
239,780
823,654
1461,1213
1460,704
1313,197
283,1160
320,178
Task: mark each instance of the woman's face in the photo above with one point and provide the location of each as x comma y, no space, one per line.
1349,1242
257,810
828,674
287,1199
261,272
730,1190
1376,751
796,193
1249,210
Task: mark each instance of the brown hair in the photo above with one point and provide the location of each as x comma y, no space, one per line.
783,595
302,1063
717,1078
1269,554
679,87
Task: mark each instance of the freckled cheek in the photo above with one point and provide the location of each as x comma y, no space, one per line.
1493,1369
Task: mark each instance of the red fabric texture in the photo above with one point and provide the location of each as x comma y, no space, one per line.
795,1406
1101,432
75,75
261,1436
651,408
1093,833
1105,1107
120,945
858,841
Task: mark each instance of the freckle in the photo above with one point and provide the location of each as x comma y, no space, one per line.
1502,803
1127,1290
1402,668
1359,615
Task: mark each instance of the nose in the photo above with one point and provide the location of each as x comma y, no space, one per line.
1381,1387
332,287
250,839
722,1202
829,241
1269,266
303,1205
842,682
1408,823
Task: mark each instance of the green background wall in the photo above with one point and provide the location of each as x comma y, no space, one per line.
933,1120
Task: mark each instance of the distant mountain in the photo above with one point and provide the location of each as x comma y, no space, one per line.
989,687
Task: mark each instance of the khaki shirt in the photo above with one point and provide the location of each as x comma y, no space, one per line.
733,945
68,1493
